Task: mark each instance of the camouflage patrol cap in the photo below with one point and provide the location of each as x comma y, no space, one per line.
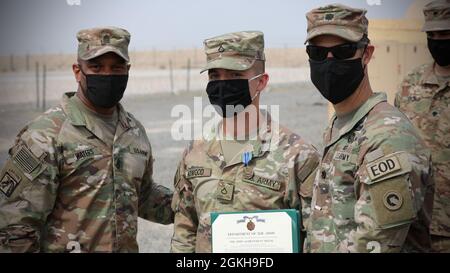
234,51
437,15
95,42
336,19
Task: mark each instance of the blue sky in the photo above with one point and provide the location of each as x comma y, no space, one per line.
50,26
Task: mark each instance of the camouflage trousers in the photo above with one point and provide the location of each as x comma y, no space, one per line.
440,244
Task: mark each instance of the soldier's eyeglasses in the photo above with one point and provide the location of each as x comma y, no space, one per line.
340,52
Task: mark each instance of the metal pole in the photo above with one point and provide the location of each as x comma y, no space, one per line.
195,62
188,79
44,87
37,85
27,62
171,76
11,63
285,55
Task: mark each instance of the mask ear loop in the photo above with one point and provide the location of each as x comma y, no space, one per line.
251,79
257,76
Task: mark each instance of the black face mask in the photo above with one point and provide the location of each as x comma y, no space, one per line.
336,79
105,91
229,92
440,50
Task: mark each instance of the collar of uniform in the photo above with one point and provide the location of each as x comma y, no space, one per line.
428,75
260,145
125,119
77,118
360,113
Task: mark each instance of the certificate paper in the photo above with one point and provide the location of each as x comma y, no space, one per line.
269,231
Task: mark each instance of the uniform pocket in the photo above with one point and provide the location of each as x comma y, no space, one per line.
134,165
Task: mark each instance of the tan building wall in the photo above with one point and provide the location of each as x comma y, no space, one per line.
399,47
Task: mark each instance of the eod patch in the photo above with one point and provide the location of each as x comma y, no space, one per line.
383,167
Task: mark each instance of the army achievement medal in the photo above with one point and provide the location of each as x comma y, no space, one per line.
246,157
248,172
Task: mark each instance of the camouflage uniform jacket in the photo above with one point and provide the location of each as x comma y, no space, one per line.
426,102
373,190
63,189
283,165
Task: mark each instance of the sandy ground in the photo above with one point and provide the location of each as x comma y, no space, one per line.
301,108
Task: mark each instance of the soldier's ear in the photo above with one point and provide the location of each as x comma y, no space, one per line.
264,80
128,67
368,54
76,72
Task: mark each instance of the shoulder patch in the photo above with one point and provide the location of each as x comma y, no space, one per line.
25,160
9,182
386,167
194,172
392,201
382,167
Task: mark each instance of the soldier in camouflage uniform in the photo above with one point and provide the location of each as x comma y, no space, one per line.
424,97
373,190
79,175
212,175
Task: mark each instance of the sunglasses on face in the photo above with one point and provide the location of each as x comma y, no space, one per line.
340,52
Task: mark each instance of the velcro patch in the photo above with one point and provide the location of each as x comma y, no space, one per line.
9,182
85,153
136,150
225,191
372,156
264,182
392,202
197,172
383,167
26,160
338,155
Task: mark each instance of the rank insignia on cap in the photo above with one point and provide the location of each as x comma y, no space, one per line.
106,39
